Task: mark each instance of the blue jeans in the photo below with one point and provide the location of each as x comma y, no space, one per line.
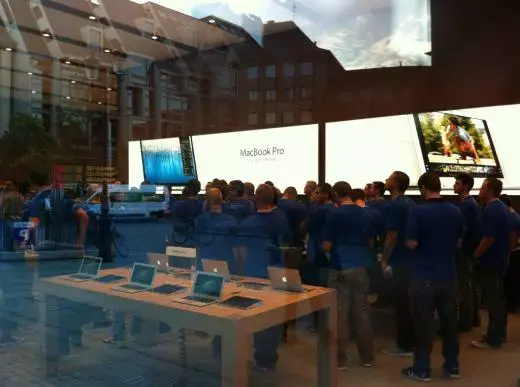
492,285
428,296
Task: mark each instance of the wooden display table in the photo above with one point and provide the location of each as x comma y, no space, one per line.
235,326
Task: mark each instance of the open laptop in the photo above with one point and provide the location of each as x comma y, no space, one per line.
88,269
205,290
141,279
285,279
219,267
161,261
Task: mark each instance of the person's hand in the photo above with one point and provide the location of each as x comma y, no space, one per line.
384,269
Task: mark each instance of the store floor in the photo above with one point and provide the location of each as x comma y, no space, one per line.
137,364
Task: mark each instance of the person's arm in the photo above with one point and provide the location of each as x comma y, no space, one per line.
328,234
392,233
488,233
82,217
513,241
412,232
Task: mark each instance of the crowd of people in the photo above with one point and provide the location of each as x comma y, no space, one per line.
438,257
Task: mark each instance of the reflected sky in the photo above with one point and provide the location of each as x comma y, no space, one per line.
360,33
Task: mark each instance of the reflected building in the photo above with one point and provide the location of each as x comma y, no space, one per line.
98,77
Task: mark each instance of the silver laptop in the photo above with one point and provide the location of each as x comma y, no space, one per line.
285,279
161,261
141,279
88,269
217,267
206,289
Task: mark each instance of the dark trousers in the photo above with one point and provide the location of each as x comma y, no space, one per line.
492,285
512,283
352,287
402,308
428,297
266,346
469,301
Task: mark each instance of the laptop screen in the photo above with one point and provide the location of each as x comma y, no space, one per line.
90,266
143,274
208,285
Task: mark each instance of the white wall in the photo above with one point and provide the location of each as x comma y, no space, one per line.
366,150
292,158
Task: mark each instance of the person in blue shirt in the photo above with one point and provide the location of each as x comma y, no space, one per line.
295,212
348,238
262,234
238,206
434,230
184,212
512,279
469,315
492,256
316,272
215,233
399,258
379,204
358,197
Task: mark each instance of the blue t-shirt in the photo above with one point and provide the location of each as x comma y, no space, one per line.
496,224
349,229
471,213
315,227
239,208
262,234
397,213
215,237
436,226
296,214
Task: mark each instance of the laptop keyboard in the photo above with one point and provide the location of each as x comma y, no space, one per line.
132,286
186,276
205,300
252,285
81,276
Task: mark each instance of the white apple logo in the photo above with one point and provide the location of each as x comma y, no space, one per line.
159,263
215,270
284,279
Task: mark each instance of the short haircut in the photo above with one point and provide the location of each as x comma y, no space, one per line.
214,197
237,187
495,186
312,183
277,196
430,181
224,188
249,189
357,194
264,194
291,191
466,180
506,200
402,180
325,189
380,187
342,189
268,182
193,187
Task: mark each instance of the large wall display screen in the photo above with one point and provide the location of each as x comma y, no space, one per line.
286,156
360,33
168,161
453,144
363,151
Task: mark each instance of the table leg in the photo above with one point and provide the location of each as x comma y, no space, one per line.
50,326
327,347
235,360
